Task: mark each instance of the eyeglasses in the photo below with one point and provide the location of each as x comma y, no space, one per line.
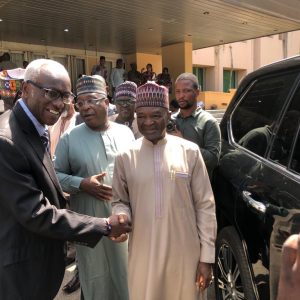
80,103
125,102
52,95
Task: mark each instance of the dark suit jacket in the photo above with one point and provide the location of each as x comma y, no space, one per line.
33,223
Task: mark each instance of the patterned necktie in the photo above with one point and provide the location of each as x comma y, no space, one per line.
45,140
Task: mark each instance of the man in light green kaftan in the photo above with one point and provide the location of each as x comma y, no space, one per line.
161,184
84,164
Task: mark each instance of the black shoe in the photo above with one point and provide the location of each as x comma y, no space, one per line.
73,285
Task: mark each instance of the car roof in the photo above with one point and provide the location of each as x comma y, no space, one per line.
284,65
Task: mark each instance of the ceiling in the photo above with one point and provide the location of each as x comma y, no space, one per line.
143,26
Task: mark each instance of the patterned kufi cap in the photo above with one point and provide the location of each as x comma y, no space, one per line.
91,84
152,95
125,91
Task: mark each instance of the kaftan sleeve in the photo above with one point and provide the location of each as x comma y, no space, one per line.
121,202
69,183
204,204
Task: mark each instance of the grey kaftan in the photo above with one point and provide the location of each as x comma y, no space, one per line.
81,153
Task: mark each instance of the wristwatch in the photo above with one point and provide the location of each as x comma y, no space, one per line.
108,227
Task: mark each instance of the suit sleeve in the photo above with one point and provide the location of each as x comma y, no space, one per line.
22,198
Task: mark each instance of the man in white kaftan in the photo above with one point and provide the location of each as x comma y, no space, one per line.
162,186
84,164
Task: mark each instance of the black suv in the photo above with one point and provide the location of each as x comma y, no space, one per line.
257,183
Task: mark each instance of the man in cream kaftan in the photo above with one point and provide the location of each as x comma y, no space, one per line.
163,187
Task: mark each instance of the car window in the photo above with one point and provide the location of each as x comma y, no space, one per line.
254,118
295,162
286,133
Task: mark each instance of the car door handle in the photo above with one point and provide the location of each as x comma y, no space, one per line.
268,208
256,205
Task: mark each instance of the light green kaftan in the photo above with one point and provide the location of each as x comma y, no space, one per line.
82,153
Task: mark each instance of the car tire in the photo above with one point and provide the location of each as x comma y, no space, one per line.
232,275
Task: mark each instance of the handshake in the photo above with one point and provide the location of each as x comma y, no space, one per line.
119,226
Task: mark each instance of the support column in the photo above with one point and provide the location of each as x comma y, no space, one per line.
142,59
178,59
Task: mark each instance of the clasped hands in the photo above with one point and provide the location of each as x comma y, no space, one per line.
120,226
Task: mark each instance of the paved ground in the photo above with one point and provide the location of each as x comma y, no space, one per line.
76,295
68,275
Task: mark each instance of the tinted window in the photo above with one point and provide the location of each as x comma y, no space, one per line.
295,162
285,136
254,118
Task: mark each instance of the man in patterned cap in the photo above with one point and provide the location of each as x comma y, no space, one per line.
161,185
125,98
84,164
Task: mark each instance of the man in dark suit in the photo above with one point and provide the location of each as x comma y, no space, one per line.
33,221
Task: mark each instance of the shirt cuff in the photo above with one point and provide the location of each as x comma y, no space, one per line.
75,182
207,254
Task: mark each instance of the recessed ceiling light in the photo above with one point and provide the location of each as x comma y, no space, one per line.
206,13
42,40
66,30
1,20
150,28
221,41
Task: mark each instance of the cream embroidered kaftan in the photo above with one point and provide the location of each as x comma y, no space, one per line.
166,191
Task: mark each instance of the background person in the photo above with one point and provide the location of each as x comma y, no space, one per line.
125,99
165,79
195,124
117,75
84,164
100,68
289,288
6,63
149,74
134,75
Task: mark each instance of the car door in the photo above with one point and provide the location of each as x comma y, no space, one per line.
281,195
256,181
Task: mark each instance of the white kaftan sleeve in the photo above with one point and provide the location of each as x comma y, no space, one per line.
204,204
121,202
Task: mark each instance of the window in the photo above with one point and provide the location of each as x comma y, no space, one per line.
37,56
286,133
80,65
295,162
254,119
200,74
17,58
62,60
229,80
